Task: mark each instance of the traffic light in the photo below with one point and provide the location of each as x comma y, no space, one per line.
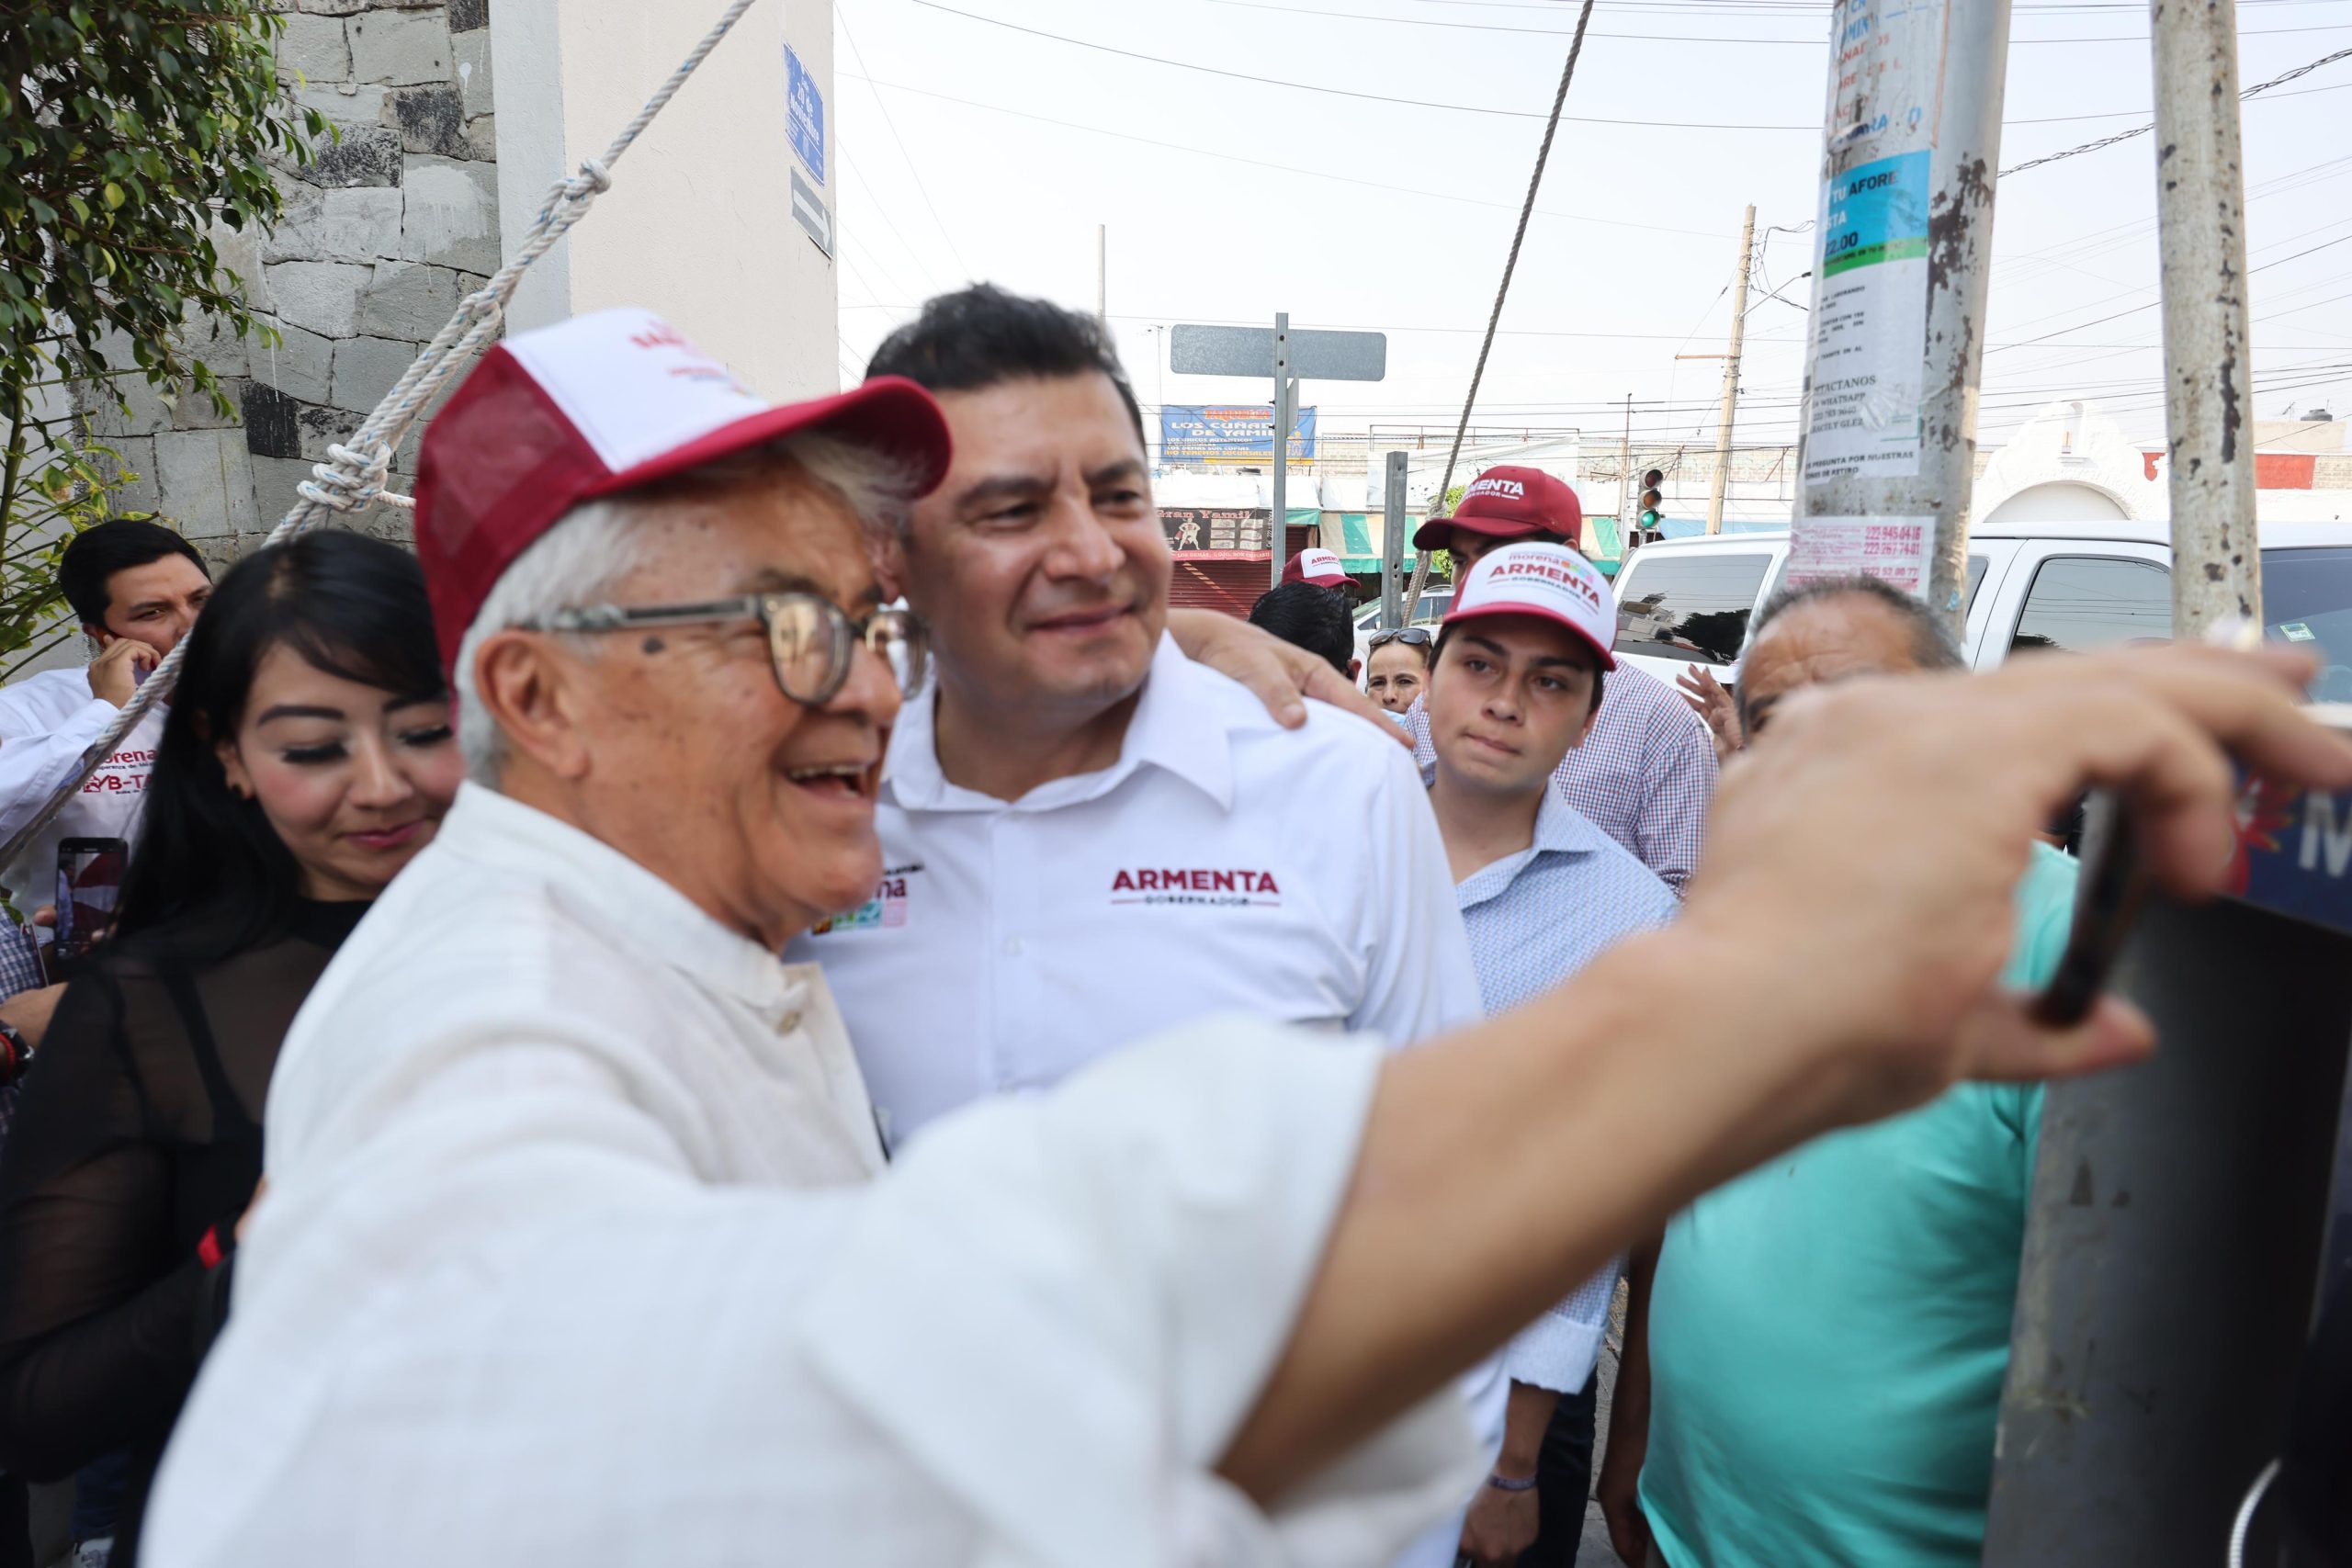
1653,515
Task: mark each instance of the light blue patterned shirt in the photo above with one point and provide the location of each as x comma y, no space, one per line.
1534,919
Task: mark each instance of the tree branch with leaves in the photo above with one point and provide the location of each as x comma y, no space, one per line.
129,128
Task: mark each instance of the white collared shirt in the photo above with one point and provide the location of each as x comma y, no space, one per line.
540,1276
46,721
1222,864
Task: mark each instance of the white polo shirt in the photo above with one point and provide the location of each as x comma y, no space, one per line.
1222,865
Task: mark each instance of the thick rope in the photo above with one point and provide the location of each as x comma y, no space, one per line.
354,476
1494,318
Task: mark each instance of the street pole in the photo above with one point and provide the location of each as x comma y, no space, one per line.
2208,360
1625,481
1730,376
1392,542
2130,1431
1278,530
1888,449
1103,276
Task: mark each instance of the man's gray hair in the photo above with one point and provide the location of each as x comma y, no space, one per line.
1933,647
593,549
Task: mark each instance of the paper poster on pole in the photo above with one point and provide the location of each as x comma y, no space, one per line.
1899,551
1868,333
1870,325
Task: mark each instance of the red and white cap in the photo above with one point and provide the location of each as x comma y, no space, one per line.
1508,504
1547,581
600,404
1320,567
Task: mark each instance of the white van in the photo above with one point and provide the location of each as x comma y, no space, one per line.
2063,585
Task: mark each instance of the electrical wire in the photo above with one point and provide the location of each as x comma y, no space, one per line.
1502,290
1345,91
1286,168
2143,130
1691,37
920,189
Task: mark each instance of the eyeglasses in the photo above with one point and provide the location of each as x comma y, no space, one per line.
811,641
1413,637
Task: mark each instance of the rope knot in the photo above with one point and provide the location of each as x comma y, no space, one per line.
595,174
353,476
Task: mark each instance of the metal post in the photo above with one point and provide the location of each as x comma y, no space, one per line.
1625,492
1730,376
1102,274
2208,362
1392,542
1277,532
2141,1404
1889,442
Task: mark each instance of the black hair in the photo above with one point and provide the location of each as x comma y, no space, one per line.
209,865
982,336
1933,647
93,555
1310,615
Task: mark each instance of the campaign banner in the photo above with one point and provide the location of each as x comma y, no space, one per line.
1230,433
1215,529
2294,851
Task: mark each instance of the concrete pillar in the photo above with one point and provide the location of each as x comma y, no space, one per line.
699,223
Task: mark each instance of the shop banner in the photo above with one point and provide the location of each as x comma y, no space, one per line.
1235,433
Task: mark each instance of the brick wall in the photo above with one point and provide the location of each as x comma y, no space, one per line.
381,234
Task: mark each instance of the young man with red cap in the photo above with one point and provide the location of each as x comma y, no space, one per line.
1645,772
1516,686
574,1248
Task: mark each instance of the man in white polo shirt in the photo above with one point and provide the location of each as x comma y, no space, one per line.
1087,837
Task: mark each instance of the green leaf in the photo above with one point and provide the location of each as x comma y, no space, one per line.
113,193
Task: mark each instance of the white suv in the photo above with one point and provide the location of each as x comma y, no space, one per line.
2063,585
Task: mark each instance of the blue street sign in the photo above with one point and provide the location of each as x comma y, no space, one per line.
804,115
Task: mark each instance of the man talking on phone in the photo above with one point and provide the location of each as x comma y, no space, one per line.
136,587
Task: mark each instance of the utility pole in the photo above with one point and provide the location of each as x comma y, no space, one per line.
1103,276
1392,541
2208,358
1888,437
1285,393
2132,1432
1730,376
1625,483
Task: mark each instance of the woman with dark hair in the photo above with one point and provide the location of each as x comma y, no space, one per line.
308,756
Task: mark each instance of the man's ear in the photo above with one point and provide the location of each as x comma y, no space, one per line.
1355,669
536,690
98,634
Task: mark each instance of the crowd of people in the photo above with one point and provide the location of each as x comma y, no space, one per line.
764,997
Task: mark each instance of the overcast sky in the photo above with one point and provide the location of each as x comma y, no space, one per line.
968,149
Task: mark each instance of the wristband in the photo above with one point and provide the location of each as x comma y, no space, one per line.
1511,1483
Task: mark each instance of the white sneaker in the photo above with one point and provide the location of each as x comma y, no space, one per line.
92,1553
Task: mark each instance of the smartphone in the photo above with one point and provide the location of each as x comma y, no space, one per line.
89,890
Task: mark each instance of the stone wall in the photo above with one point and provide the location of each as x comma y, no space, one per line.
381,234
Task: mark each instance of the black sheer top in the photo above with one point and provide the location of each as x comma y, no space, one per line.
135,1148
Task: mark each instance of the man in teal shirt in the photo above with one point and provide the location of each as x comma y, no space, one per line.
1813,1370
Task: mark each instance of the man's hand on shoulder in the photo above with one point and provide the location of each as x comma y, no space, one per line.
1278,673
116,673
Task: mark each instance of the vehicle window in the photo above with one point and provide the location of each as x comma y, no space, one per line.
1691,608
2307,604
2079,603
1432,608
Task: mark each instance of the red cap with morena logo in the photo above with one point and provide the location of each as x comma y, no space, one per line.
1508,504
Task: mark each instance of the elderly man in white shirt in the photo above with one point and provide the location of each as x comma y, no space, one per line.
571,1255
